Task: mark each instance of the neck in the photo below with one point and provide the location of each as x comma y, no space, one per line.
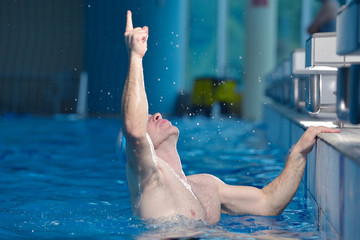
169,154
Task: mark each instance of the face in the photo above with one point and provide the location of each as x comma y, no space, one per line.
161,130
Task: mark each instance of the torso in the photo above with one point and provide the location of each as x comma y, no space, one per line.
169,196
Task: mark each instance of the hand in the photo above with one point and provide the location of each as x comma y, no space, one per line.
135,38
308,139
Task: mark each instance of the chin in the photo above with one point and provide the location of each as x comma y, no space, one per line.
176,130
169,133
173,133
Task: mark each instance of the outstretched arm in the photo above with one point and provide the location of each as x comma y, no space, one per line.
134,105
273,198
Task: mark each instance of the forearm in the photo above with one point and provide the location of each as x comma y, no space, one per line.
134,105
281,190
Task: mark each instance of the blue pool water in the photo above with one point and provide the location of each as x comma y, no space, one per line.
61,178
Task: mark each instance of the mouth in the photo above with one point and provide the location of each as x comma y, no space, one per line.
163,121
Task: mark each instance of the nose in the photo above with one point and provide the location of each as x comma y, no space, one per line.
157,116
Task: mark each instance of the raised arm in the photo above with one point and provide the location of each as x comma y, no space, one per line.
134,105
273,198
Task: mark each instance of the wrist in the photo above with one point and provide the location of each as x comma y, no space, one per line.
297,154
135,57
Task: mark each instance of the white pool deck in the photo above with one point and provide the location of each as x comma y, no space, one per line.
332,174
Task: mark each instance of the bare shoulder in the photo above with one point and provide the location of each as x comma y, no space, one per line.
207,179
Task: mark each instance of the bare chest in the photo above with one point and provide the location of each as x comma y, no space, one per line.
166,197
205,189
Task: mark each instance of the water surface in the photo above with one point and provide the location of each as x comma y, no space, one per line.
62,178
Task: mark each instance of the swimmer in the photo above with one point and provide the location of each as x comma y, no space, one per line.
159,189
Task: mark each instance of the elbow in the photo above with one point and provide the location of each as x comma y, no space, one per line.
133,129
270,208
133,133
273,212
269,211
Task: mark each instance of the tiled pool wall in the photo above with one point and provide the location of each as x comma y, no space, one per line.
331,177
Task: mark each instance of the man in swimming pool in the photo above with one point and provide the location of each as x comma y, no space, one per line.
158,186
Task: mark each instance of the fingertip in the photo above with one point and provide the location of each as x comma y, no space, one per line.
129,14
330,130
129,24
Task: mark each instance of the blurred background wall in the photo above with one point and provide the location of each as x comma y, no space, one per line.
45,45
41,46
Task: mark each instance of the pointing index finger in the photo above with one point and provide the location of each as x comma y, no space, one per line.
129,23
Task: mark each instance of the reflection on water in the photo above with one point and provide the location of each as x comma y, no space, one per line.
63,179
